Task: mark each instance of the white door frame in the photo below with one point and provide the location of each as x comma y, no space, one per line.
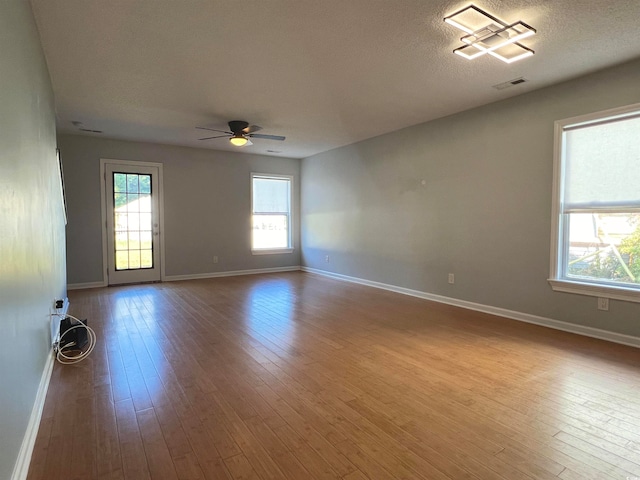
103,209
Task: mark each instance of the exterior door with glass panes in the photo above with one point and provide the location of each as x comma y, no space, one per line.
133,249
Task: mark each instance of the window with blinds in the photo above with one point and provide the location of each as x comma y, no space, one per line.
271,213
597,204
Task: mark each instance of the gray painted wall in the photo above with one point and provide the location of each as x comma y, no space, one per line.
32,235
483,213
207,205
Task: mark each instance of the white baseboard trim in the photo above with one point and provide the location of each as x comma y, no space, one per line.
195,276
81,286
232,273
501,312
21,468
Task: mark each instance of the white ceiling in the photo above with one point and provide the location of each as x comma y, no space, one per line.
323,73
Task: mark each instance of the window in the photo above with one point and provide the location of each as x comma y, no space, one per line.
132,221
596,230
271,213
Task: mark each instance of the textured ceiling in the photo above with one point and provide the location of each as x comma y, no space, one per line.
323,73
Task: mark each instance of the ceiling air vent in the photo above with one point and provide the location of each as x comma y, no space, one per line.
510,83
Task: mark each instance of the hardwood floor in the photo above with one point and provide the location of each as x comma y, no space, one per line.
296,376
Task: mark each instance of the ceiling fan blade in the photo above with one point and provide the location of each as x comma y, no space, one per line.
266,137
214,130
251,129
217,136
249,142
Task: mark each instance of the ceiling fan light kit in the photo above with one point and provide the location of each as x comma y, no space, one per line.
486,34
238,140
240,133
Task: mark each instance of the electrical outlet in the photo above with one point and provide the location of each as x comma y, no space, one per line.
452,278
215,259
326,258
603,304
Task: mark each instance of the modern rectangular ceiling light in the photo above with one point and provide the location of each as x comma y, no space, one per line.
469,52
511,53
470,19
488,34
490,38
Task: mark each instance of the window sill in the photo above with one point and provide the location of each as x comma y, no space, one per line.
593,290
273,251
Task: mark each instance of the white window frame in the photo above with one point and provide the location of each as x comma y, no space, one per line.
559,282
273,251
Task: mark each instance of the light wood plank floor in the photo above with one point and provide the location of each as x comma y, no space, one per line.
296,376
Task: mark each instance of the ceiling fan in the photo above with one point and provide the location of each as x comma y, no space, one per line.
241,133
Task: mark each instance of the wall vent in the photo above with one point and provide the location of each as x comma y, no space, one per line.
510,83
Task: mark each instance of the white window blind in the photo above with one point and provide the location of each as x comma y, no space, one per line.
602,165
596,205
270,195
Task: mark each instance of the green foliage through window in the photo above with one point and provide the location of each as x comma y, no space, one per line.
615,259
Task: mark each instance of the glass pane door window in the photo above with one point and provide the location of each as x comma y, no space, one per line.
133,221
132,227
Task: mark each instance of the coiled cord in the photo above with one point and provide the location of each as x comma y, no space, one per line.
91,337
